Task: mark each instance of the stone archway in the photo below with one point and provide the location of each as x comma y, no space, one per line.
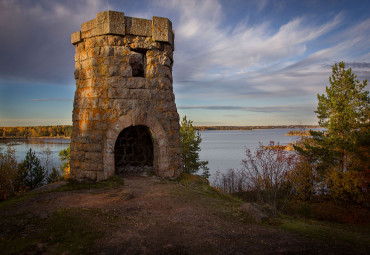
133,151
161,155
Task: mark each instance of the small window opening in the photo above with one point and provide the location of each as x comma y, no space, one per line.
137,62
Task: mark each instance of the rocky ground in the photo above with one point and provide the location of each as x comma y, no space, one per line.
145,215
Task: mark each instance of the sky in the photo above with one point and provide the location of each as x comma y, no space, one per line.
236,62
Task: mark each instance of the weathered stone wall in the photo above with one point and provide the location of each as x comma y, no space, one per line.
123,72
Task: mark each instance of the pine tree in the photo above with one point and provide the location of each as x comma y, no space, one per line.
34,173
190,147
54,176
343,112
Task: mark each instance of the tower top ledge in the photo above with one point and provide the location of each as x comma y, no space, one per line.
116,23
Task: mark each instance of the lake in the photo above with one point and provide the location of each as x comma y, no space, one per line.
39,145
223,149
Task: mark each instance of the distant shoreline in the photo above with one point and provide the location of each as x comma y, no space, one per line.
210,128
34,137
199,128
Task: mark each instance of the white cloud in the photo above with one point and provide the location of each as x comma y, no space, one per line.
206,49
249,61
35,38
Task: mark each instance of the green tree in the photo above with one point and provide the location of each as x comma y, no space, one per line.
34,173
343,112
190,147
65,157
54,176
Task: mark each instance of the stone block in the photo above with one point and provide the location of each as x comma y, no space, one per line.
162,30
115,40
107,51
125,70
110,22
119,93
93,52
122,52
136,26
89,25
113,70
135,83
88,175
76,37
102,175
140,94
116,82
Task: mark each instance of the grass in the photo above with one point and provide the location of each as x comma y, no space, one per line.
328,232
17,199
112,182
197,188
72,230
67,231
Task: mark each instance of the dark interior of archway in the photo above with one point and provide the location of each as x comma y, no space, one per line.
133,151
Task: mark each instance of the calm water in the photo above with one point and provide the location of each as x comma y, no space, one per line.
226,149
38,145
222,149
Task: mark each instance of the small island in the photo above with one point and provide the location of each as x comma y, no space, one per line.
299,133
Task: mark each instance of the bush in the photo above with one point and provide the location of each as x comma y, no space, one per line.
304,179
233,181
10,175
344,186
263,176
266,172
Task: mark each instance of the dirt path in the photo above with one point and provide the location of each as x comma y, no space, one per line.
148,216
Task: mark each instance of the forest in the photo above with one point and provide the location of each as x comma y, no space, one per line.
36,131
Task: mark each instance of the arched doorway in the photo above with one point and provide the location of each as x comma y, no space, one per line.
133,151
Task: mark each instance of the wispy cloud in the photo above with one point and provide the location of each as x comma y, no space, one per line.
207,49
35,38
260,61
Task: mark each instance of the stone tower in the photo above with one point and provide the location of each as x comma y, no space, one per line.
125,119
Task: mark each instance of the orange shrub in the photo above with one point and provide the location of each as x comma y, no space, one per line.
344,186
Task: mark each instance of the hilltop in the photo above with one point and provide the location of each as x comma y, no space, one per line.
149,215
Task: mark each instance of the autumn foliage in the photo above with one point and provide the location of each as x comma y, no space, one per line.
264,176
37,131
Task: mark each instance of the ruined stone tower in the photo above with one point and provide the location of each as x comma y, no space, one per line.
125,119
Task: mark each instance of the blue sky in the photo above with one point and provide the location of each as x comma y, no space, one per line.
237,62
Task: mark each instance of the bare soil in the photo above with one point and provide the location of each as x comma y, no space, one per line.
146,215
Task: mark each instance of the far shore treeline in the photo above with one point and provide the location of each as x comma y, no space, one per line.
36,131
66,130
